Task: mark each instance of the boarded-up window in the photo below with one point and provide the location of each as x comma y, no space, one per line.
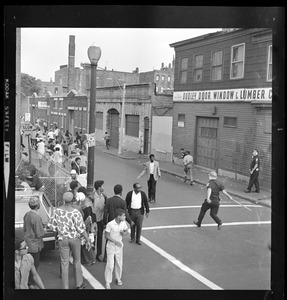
180,120
132,125
230,122
268,124
99,120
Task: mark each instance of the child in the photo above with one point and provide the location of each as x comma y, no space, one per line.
115,230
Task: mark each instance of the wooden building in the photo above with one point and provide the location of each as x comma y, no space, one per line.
223,100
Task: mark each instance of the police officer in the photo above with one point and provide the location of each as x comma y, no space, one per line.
254,173
214,187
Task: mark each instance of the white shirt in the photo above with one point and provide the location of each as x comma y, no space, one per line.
51,135
136,200
151,167
82,178
114,229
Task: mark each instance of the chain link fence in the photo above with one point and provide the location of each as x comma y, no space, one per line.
54,176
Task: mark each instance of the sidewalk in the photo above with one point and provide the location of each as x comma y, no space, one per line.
200,176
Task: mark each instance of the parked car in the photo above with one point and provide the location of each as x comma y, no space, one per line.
45,211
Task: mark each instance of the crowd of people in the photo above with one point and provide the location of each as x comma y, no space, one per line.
90,227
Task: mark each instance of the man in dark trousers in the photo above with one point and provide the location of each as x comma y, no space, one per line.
214,187
137,205
111,205
153,173
254,173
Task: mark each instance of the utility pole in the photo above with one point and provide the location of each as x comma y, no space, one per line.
122,119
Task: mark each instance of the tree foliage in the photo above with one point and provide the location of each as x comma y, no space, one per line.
30,85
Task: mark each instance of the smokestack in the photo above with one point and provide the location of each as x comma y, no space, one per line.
71,64
72,47
162,65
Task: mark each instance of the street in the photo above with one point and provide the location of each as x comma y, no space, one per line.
175,254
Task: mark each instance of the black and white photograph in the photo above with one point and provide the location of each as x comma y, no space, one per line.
144,151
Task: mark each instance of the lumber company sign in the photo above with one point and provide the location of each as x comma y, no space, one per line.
224,95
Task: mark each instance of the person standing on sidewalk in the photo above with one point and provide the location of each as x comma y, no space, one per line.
107,140
254,173
115,230
214,187
34,232
153,173
188,162
137,205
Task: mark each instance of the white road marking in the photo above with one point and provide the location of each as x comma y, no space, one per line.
92,280
208,225
180,265
88,276
198,206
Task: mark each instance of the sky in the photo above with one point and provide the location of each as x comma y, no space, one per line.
44,50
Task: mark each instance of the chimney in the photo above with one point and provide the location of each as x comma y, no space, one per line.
72,47
162,66
71,64
169,65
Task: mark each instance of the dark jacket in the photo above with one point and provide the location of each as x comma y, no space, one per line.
112,204
144,202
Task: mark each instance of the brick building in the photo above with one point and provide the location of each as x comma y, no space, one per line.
71,113
223,100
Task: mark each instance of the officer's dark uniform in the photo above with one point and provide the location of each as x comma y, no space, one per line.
254,176
216,187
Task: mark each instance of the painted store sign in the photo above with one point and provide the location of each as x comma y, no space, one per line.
226,94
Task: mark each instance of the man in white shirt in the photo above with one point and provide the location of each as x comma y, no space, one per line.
137,205
115,230
153,173
82,178
51,135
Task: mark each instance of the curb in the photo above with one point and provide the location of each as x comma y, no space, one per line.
230,192
233,193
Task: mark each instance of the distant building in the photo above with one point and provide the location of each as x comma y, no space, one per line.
163,78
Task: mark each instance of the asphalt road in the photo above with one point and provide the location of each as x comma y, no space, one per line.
176,255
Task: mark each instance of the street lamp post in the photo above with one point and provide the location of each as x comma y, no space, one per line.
94,54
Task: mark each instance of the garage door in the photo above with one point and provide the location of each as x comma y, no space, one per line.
207,142
114,128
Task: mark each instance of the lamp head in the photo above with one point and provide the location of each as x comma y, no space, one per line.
94,54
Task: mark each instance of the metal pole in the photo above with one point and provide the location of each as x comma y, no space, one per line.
92,126
122,119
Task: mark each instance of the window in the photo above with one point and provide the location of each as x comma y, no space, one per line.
198,64
157,77
268,124
56,91
216,66
180,120
237,61
156,89
269,66
162,77
168,78
132,125
61,103
230,122
99,120
55,103
183,70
